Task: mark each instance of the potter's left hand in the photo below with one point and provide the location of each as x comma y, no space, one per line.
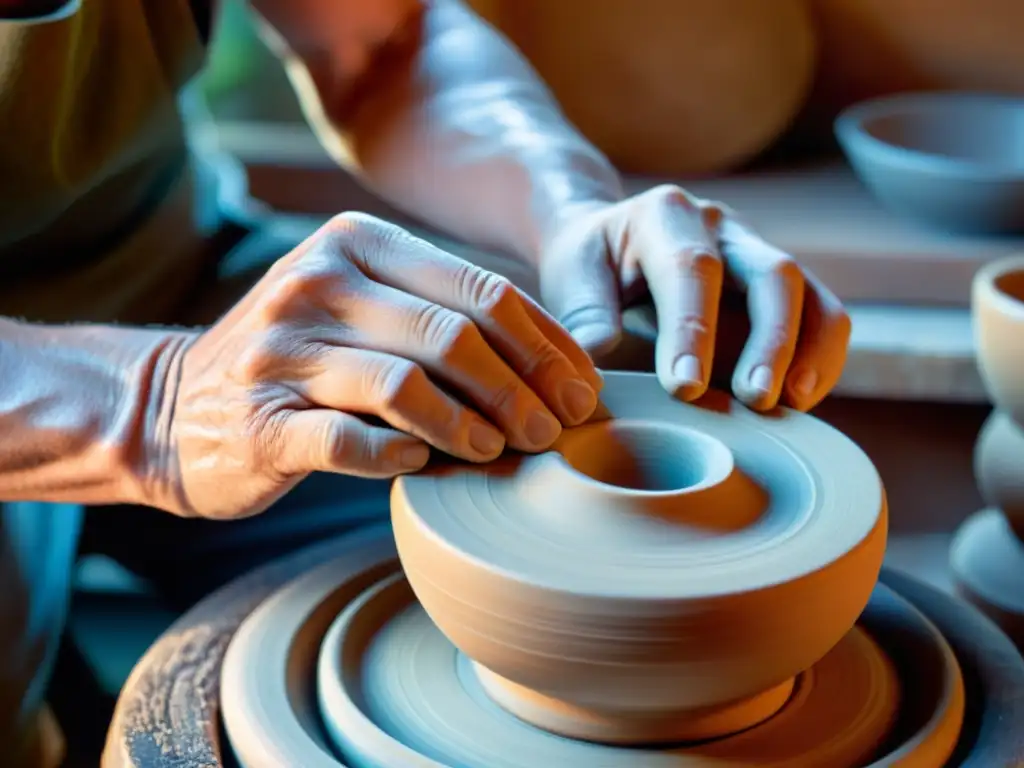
686,252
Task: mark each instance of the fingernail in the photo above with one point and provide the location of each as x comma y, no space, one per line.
577,399
804,382
688,370
414,456
541,429
761,378
485,440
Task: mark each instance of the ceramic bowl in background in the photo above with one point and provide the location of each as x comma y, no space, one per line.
954,160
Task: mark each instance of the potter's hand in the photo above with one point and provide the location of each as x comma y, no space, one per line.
684,251
364,320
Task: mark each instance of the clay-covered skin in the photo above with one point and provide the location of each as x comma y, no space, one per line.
670,542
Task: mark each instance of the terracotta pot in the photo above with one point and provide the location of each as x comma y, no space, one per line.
873,48
669,87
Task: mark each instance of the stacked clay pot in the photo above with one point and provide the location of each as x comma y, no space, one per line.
987,554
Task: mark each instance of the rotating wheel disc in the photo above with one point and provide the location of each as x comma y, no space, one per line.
270,720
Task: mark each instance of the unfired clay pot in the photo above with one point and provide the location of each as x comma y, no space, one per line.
987,553
672,542
330,661
872,48
669,87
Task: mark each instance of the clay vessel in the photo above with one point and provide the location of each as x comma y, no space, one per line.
669,87
672,559
987,552
997,304
951,160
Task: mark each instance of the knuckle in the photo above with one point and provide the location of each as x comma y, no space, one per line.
486,291
354,224
544,357
788,270
293,290
257,360
445,332
700,262
364,239
504,398
346,441
713,213
672,196
398,382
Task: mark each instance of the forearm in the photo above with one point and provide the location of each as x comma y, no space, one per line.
456,128
78,410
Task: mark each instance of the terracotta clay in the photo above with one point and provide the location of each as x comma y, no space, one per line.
671,542
669,87
987,553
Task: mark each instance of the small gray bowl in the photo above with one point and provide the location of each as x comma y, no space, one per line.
953,160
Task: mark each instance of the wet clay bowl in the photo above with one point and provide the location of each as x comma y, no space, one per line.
667,564
953,160
997,305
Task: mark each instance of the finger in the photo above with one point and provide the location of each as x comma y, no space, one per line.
399,392
821,349
495,306
774,303
320,440
454,352
684,274
560,336
582,291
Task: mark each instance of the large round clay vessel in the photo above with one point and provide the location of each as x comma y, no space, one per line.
669,87
873,48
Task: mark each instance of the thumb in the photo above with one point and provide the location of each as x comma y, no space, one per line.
581,290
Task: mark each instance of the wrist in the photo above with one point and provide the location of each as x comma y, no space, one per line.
586,188
74,402
151,467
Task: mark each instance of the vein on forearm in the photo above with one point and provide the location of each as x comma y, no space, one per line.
73,403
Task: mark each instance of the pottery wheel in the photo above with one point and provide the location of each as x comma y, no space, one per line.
348,655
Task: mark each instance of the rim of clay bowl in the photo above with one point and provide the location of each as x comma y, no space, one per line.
986,281
856,140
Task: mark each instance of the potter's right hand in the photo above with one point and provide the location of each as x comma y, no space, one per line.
364,320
